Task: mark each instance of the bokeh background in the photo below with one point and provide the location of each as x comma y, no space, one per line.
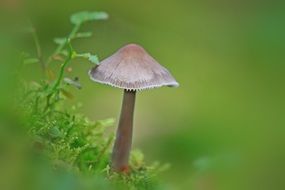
223,128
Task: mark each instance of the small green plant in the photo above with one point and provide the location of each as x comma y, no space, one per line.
63,53
71,142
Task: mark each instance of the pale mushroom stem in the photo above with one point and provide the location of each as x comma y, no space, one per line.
123,142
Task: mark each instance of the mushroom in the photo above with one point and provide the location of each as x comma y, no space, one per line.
131,68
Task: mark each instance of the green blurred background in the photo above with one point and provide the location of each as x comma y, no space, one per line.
223,128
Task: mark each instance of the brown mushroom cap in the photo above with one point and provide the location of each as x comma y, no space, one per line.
132,68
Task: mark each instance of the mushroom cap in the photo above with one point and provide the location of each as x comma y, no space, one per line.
132,68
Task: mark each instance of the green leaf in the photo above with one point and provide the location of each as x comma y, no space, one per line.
85,16
72,82
83,35
31,61
93,59
59,41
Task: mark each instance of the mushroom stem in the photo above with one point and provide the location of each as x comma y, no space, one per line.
123,142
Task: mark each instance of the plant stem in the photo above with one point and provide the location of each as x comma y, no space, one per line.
61,73
63,65
123,142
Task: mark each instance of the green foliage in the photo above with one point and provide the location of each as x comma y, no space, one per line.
73,144
59,41
85,16
92,58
